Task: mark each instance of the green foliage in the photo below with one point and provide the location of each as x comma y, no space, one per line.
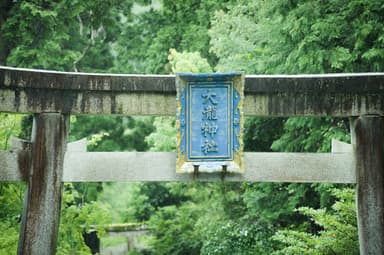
188,62
145,42
11,206
174,230
11,200
8,242
299,36
87,192
121,197
164,137
234,37
275,203
293,37
26,127
338,233
76,219
10,125
309,134
108,133
150,197
232,237
11,194
261,132
255,36
62,35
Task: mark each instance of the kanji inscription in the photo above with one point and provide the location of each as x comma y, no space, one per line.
209,120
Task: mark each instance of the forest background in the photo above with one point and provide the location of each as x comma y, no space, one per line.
162,37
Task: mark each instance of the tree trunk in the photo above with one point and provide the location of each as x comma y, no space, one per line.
5,7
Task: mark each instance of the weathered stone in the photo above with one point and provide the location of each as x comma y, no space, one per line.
369,133
25,90
38,91
341,147
40,222
160,166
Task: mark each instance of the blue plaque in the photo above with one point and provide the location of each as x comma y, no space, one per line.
209,122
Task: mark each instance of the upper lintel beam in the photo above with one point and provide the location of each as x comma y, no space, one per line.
34,91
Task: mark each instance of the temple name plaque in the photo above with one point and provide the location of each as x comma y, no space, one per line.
209,122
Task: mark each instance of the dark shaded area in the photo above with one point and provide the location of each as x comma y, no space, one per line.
92,241
261,132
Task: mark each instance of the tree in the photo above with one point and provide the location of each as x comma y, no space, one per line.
298,37
338,229
10,125
145,42
61,35
261,132
255,36
11,204
109,133
75,219
11,194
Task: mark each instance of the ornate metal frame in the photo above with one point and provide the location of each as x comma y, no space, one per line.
209,122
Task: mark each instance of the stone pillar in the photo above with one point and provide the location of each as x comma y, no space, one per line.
41,217
369,152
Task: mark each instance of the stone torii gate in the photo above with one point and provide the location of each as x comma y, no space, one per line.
45,162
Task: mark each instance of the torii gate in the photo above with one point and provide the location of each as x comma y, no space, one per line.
53,96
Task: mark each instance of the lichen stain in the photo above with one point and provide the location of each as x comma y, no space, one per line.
7,79
99,83
101,103
120,109
23,160
52,100
84,102
16,103
113,103
68,101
